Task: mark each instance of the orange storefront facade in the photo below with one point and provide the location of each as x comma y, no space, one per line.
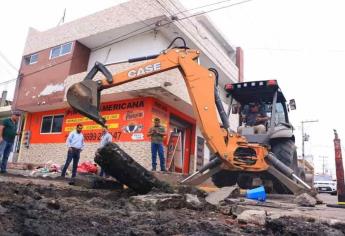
127,120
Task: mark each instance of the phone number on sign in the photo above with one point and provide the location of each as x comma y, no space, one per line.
97,136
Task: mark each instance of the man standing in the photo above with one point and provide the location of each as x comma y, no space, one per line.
75,143
106,138
157,133
8,132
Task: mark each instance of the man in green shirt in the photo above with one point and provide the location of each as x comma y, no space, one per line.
157,133
8,132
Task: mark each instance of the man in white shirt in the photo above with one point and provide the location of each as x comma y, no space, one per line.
75,143
106,138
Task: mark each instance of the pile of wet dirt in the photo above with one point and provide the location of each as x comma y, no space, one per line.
303,226
37,209
29,209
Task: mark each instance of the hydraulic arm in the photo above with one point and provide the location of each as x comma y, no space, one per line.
85,98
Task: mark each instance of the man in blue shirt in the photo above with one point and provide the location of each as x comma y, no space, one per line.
106,138
75,143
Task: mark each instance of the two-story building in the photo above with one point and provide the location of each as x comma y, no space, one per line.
55,59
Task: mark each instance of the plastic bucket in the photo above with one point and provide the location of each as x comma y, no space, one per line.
257,194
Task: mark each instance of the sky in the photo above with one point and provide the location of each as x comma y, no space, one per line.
299,43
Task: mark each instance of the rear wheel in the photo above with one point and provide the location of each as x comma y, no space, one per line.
285,151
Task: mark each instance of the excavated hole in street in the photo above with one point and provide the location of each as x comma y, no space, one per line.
37,209
33,209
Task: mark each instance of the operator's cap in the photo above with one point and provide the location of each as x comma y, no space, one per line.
253,104
157,119
16,113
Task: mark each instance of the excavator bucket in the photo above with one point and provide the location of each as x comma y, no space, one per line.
85,96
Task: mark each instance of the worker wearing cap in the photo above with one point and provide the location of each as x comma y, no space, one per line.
157,133
8,132
254,117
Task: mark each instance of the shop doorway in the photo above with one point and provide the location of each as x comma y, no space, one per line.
179,145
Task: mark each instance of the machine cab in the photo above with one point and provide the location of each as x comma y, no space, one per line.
262,110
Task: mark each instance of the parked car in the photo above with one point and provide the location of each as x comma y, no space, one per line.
325,184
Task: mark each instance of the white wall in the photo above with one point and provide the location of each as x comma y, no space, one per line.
142,45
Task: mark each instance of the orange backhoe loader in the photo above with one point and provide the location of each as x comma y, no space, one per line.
231,151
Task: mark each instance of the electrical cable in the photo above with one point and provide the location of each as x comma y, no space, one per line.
8,61
146,31
157,24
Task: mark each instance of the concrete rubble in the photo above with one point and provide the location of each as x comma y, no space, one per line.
252,216
215,197
305,200
158,201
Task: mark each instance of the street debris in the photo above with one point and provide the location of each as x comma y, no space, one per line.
257,217
35,206
305,200
87,167
215,197
158,201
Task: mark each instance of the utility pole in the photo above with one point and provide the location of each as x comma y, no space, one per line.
323,164
62,20
305,137
340,173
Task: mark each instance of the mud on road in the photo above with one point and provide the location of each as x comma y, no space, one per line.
55,208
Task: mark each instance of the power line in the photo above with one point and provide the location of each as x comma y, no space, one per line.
158,24
8,81
50,66
8,61
119,38
201,36
164,8
6,69
216,9
212,4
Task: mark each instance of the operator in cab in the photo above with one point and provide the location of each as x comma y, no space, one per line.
255,117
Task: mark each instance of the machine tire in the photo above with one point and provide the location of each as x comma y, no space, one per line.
121,166
284,150
224,178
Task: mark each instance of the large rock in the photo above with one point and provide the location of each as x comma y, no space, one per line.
193,201
305,200
215,197
237,210
158,201
257,217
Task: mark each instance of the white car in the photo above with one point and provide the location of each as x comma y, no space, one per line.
325,185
